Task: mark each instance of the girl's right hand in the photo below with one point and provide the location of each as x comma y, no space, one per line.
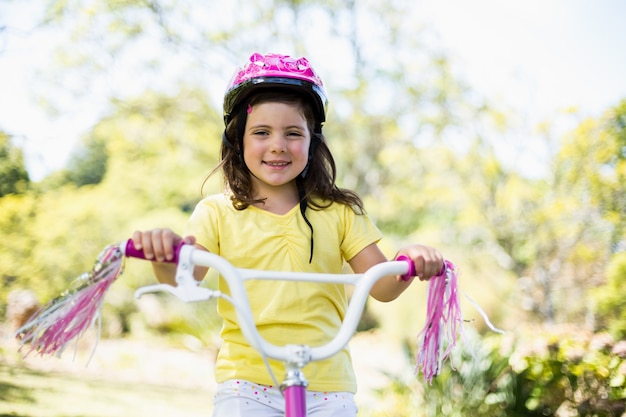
159,244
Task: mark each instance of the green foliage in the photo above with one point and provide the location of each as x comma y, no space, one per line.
553,233
592,162
570,371
609,298
476,386
473,387
88,164
17,213
472,384
157,154
535,373
614,201
14,178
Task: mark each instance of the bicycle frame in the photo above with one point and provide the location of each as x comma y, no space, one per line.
294,356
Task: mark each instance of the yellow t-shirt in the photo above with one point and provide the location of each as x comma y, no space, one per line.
285,312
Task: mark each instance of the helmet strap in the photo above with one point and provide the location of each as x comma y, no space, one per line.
242,118
303,206
316,139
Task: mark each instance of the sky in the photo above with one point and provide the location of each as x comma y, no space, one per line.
539,56
563,52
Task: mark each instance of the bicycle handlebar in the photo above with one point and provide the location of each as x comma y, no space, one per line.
188,290
128,249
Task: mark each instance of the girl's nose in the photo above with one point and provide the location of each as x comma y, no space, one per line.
278,144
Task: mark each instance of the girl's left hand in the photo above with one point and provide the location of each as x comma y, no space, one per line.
428,261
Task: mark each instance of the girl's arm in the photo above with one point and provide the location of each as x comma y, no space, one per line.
158,246
428,263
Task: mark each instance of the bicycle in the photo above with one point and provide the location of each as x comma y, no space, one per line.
67,317
295,356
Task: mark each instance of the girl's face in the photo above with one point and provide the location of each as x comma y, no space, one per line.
275,145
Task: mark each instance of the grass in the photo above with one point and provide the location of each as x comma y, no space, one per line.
148,376
125,377
27,392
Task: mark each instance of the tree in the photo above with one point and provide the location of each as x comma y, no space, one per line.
554,234
14,178
398,126
609,297
394,102
88,163
609,183
378,98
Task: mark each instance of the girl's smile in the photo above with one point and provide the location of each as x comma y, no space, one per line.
277,164
276,145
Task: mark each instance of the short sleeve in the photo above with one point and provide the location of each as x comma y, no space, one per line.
203,223
359,232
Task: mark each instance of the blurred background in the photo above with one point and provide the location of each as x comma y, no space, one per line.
495,131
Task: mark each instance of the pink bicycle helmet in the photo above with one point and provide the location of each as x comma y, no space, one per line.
272,71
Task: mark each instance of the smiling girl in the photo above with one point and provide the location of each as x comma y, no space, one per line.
282,210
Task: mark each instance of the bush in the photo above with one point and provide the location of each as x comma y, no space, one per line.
556,372
610,300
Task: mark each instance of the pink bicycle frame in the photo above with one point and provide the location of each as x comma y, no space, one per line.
294,389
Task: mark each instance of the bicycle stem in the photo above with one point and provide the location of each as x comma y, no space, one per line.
294,389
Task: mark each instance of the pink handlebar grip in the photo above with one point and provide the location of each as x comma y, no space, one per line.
411,272
131,252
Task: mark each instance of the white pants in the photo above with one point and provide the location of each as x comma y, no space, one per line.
237,398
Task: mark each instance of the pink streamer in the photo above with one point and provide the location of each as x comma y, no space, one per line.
443,322
68,316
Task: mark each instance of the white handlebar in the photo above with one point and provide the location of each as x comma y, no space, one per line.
187,289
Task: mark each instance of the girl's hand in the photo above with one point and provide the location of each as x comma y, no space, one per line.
428,261
158,244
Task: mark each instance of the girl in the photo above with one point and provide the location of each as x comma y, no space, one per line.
282,210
